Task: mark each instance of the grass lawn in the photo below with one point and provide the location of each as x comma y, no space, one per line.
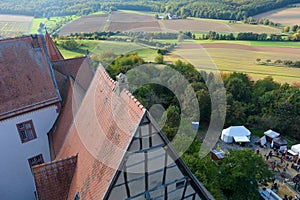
49,23
98,13
98,47
283,44
258,133
147,54
138,12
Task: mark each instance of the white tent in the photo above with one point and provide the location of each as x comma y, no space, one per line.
270,135
236,133
296,148
263,140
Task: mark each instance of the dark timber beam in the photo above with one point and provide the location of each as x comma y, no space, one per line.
140,138
126,181
150,135
146,171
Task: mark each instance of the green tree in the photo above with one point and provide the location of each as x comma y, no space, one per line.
159,59
286,29
265,85
239,85
240,174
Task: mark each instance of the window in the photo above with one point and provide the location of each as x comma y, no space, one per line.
180,184
36,160
77,197
26,131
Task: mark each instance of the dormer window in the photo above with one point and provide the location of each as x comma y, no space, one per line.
37,160
26,131
77,197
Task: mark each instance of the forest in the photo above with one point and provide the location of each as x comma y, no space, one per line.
216,9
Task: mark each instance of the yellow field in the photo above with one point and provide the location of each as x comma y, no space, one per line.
240,58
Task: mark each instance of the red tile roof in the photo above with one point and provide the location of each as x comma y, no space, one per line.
53,179
26,76
78,68
60,129
102,131
53,52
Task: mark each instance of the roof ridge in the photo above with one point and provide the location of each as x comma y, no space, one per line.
137,102
17,38
69,59
130,95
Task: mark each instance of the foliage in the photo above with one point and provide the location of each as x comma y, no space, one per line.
235,177
123,64
240,174
159,59
219,9
69,44
250,36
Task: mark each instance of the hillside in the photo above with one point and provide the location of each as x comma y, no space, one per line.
218,9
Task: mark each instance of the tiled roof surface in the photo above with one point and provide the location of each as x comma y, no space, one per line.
53,52
62,84
63,123
53,179
105,124
72,93
25,76
78,68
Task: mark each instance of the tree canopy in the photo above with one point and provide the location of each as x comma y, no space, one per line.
218,9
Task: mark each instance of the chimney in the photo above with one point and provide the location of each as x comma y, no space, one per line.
35,41
122,83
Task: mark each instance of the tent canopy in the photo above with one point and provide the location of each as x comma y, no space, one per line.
236,131
233,131
241,139
279,141
293,153
271,134
296,148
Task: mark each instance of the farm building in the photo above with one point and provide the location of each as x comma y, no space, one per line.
217,155
236,134
270,135
81,135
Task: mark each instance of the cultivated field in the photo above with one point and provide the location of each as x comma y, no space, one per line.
13,25
222,26
133,22
286,16
236,57
151,26
88,23
139,21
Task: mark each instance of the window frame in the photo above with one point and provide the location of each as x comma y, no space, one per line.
30,162
21,131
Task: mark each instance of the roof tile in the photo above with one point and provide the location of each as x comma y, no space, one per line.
25,76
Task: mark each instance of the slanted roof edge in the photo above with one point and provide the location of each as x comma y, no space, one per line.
50,67
29,108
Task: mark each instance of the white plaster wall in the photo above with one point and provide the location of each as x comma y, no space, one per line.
16,178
